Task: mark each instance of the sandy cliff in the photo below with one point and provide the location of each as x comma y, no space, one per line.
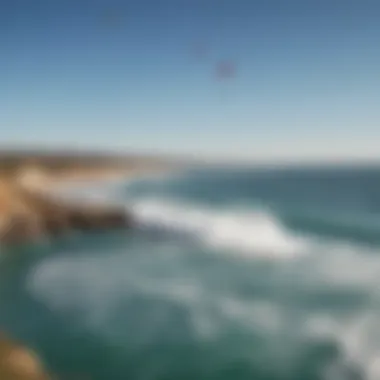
29,213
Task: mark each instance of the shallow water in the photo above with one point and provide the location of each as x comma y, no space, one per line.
232,274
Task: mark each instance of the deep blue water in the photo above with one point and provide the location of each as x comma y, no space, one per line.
231,274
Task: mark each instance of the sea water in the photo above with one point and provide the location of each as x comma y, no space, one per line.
230,274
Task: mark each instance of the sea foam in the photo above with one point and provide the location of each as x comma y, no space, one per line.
249,232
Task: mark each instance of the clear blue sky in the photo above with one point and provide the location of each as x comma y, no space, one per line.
123,75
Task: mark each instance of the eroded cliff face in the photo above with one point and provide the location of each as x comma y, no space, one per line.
29,213
19,363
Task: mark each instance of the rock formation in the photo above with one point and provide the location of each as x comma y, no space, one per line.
29,214
19,363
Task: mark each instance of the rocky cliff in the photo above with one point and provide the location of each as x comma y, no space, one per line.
29,214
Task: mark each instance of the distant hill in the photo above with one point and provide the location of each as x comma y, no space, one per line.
54,160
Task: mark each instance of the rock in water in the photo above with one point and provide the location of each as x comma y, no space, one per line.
95,218
19,363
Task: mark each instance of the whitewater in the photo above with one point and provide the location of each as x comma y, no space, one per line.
225,277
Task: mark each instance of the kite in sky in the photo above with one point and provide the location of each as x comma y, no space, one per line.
225,70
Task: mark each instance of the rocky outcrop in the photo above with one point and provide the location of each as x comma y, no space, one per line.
29,215
19,363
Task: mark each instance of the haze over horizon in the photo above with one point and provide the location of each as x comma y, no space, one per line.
143,76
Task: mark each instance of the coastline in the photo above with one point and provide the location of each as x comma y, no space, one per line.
17,360
36,204
30,194
79,178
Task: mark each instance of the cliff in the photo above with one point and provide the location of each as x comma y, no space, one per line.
30,213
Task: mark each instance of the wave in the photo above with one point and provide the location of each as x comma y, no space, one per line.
256,232
140,301
358,228
141,305
278,232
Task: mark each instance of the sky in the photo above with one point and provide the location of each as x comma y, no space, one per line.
129,76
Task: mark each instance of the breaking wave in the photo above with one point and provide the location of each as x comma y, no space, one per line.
161,292
243,231
149,299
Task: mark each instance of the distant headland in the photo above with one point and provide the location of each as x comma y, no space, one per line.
29,211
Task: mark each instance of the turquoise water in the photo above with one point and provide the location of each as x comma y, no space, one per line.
231,274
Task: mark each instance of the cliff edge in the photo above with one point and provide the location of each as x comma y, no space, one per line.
30,213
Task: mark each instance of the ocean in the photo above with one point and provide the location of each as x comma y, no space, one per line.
231,274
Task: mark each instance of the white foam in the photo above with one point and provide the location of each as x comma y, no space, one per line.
92,287
262,315
82,287
250,232
341,265
358,338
